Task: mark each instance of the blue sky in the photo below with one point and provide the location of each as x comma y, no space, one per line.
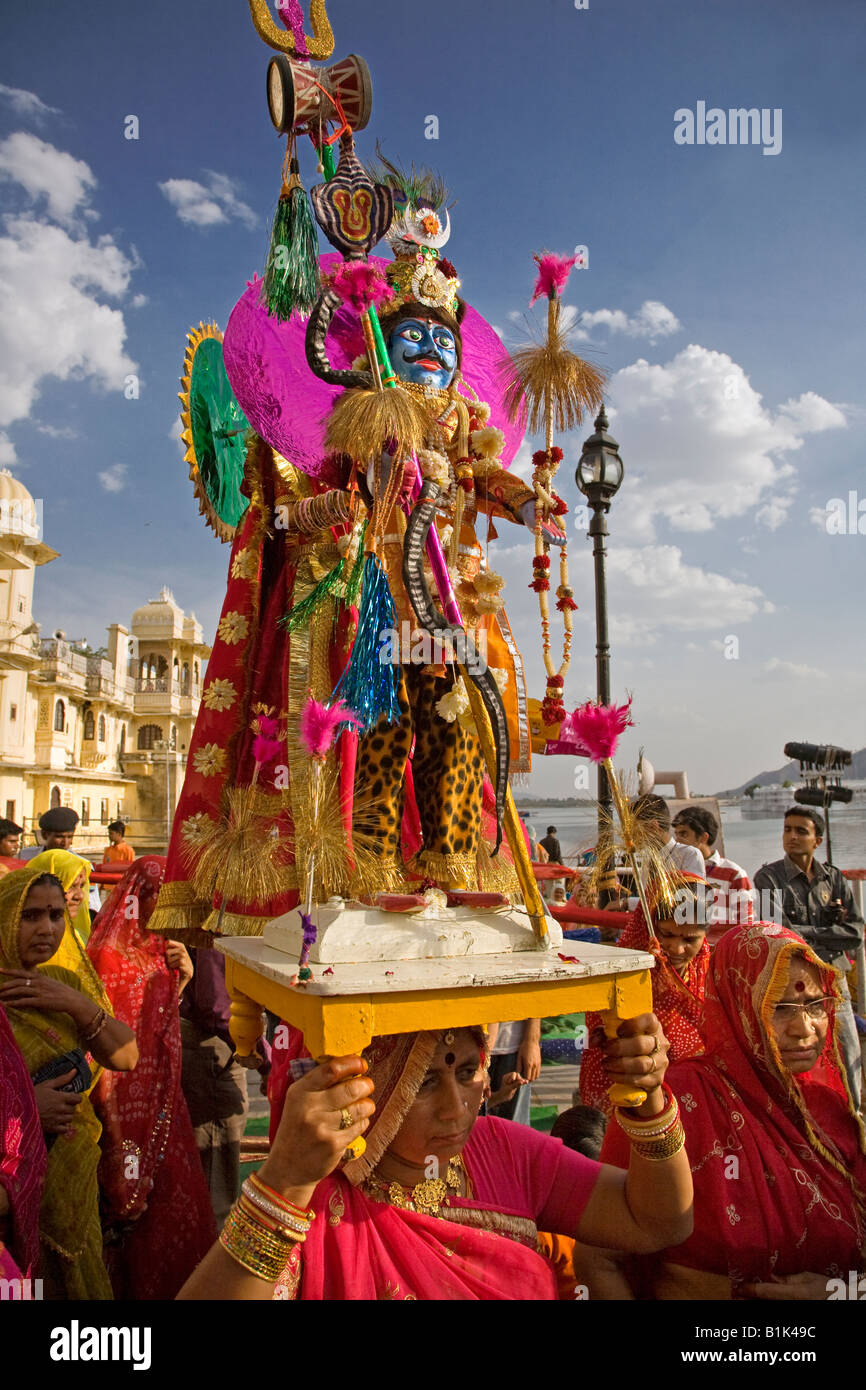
724,296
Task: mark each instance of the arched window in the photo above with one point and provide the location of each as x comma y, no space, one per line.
148,735
195,673
184,679
89,726
123,738
172,738
102,728
60,718
55,798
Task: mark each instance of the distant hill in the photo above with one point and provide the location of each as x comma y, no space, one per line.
791,773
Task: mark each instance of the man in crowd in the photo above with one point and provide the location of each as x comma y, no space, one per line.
10,840
732,899
654,815
118,852
57,828
816,902
552,845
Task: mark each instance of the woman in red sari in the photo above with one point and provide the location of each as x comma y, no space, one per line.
22,1161
777,1149
441,1205
678,980
154,1198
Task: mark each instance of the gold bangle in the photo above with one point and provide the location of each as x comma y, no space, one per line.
254,1247
660,1150
97,1024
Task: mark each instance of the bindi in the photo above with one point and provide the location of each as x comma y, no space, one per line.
799,986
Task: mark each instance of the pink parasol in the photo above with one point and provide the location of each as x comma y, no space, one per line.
287,405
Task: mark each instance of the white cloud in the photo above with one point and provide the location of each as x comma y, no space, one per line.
174,433
53,284
26,103
788,670
56,431
208,205
653,320
700,446
818,517
810,413
7,450
113,479
46,172
138,301
774,512
653,588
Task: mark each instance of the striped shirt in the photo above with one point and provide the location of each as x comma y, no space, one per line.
732,900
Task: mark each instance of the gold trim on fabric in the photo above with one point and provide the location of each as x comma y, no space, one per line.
523,762
385,1127
519,1228
234,924
497,875
459,869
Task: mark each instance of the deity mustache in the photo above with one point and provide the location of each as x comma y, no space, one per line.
428,355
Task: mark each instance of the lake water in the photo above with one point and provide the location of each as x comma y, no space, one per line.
750,843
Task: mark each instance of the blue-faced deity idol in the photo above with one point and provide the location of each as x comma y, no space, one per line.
424,352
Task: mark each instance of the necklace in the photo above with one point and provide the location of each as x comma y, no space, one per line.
425,1197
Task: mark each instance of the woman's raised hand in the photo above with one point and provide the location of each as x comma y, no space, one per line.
638,1053
313,1133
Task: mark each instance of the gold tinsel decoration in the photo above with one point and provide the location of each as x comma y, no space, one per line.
548,382
363,422
238,856
622,835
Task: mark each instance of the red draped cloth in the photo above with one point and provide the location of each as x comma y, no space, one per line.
154,1197
22,1152
793,1200
677,1004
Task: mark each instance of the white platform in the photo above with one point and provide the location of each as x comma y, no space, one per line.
459,972
353,934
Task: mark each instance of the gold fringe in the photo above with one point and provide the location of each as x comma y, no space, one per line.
234,924
385,1127
497,875
362,422
376,874
451,870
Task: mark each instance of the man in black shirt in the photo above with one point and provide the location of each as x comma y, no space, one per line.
552,845
816,902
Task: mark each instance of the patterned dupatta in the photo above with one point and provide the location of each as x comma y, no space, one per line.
363,1248
22,1150
143,1113
678,1003
779,1163
69,1218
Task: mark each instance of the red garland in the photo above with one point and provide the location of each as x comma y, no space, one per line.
540,586
567,605
555,682
541,562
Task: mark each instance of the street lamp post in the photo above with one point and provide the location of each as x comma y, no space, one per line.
599,476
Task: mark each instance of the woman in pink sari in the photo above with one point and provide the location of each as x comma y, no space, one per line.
154,1198
441,1205
22,1161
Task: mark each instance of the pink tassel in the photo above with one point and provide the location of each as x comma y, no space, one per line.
319,724
361,285
593,731
553,273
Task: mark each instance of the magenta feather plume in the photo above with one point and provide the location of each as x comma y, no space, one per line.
292,15
593,731
361,285
266,745
553,273
319,724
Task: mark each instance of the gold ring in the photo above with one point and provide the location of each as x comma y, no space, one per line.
346,1120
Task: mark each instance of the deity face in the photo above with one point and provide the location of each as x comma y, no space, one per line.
424,352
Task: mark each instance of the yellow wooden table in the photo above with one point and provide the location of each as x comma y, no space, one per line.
340,1012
